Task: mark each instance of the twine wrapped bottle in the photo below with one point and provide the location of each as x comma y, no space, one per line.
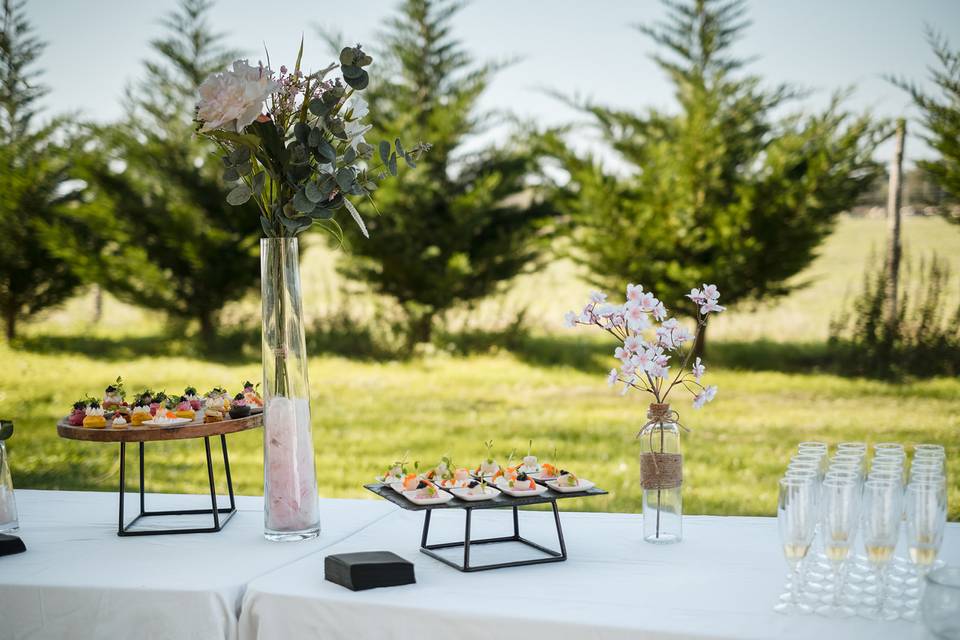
661,475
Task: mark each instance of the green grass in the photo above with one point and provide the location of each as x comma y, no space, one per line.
549,388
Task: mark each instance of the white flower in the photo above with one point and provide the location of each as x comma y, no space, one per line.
633,344
648,302
621,354
695,295
634,291
612,377
233,99
355,128
637,320
659,311
597,297
628,384
629,367
569,319
606,310
710,292
698,369
711,305
705,396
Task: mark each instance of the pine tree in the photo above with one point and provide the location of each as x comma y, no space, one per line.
940,116
718,190
170,240
464,222
34,175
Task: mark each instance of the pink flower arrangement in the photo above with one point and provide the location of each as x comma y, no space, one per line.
649,340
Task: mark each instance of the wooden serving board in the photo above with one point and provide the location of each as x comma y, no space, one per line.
152,434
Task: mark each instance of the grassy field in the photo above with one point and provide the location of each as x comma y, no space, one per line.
549,389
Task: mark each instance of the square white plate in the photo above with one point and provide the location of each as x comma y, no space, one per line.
539,490
582,485
464,494
442,496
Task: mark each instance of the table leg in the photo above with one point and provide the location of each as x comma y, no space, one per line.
226,466
123,456
213,486
426,529
466,541
142,507
516,523
556,518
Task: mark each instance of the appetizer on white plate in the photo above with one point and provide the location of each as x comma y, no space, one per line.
521,486
394,473
489,466
427,493
569,483
547,472
475,491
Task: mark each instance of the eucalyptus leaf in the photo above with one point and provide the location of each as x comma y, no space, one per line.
300,131
244,169
335,126
364,150
384,151
319,107
259,180
345,178
240,155
226,161
239,195
315,137
302,203
351,72
326,150
347,56
399,146
313,192
370,185
356,217
230,175
392,165
321,214
297,173
298,153
267,231
359,83
349,156
409,160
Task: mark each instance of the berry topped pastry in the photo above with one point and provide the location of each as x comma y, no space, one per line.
159,403
94,418
184,409
113,396
119,422
78,414
239,407
190,395
140,414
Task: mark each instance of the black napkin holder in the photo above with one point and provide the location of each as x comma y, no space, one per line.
10,545
368,570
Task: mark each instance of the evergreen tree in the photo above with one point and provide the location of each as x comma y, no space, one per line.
34,175
170,240
719,190
940,116
464,222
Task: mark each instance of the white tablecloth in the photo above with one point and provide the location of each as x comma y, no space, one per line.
720,582
78,579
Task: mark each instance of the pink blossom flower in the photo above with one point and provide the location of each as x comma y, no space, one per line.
597,297
695,295
569,319
659,311
711,305
629,367
621,354
612,377
606,310
698,369
648,302
637,319
633,344
705,396
634,291
710,292
627,384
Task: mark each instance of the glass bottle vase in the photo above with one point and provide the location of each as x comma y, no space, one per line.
8,502
661,476
289,471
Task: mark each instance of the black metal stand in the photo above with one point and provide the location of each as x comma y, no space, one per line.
552,556
215,510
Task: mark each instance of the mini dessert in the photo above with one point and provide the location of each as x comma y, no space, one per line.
159,402
522,482
239,407
140,414
212,411
221,394
190,395
93,416
184,409
252,397
489,466
79,412
119,422
145,397
113,396
567,479
164,416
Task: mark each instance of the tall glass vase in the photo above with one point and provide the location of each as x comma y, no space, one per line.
289,472
661,476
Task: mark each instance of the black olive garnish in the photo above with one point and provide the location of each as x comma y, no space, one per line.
472,484
422,485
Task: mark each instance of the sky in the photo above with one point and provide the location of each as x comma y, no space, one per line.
583,48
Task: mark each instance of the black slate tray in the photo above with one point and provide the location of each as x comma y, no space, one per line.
501,500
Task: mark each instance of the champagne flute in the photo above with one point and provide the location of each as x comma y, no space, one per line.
882,512
796,519
926,518
839,511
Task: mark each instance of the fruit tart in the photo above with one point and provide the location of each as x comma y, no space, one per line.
190,395
94,416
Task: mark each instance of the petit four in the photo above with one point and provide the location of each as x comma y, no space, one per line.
78,413
184,409
158,402
140,414
113,396
119,422
93,416
212,410
190,395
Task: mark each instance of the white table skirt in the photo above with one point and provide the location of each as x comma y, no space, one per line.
720,582
78,579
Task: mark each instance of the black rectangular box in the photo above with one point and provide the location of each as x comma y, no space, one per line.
368,569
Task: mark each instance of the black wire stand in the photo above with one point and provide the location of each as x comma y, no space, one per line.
500,501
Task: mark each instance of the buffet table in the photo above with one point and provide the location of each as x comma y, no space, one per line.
78,579
720,582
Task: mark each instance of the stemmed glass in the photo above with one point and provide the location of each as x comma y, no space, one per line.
796,519
882,512
926,518
839,505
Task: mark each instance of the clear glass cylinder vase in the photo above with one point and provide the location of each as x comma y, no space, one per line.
661,476
289,470
8,502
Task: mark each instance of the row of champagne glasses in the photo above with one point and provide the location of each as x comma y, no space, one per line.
833,500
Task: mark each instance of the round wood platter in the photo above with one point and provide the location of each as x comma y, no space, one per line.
151,434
